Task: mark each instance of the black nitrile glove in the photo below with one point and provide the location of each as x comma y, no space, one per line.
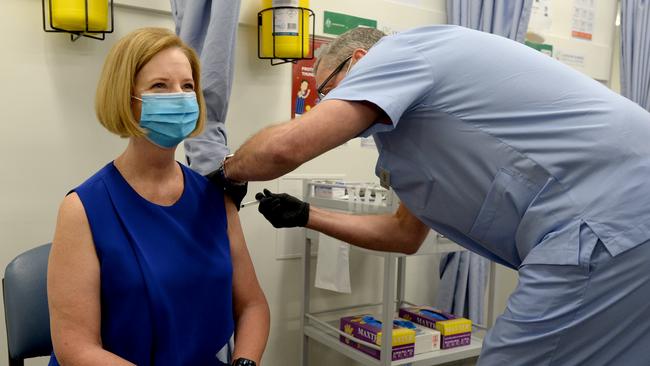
236,191
283,210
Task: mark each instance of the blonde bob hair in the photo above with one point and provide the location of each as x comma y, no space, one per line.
124,61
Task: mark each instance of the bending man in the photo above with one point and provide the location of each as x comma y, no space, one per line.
504,150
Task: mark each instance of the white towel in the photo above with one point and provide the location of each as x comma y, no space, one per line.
333,265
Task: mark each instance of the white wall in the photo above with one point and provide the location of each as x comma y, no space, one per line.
50,142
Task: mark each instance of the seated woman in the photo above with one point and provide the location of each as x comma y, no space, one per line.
149,265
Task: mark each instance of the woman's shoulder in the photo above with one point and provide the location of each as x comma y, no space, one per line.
189,171
202,185
72,206
195,177
72,209
92,189
98,177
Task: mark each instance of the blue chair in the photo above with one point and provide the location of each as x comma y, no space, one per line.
24,290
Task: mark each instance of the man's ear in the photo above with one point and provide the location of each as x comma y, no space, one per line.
358,54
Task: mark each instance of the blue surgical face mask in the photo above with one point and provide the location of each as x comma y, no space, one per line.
168,117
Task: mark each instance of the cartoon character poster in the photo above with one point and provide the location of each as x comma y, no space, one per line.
303,90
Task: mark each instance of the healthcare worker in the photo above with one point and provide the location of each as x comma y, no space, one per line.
504,150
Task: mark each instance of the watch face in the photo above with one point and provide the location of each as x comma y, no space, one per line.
244,362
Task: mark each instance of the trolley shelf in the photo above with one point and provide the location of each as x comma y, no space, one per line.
437,357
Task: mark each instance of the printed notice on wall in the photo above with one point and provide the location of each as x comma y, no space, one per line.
572,58
540,16
303,83
584,17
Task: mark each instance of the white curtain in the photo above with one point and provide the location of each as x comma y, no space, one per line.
463,275
210,27
635,51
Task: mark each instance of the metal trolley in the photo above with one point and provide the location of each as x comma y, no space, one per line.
320,326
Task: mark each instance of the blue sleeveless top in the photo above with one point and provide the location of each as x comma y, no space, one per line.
166,271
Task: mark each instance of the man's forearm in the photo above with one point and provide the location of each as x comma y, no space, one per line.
376,232
279,149
263,157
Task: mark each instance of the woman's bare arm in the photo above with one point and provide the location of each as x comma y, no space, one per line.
73,289
251,309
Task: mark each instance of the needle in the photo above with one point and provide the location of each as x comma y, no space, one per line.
250,203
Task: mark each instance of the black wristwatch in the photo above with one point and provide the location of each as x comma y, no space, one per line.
222,172
243,362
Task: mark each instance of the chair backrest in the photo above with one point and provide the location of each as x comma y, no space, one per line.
24,290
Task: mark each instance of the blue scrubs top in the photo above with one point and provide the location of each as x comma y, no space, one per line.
503,149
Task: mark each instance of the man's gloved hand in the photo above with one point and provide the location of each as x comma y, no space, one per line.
283,210
236,191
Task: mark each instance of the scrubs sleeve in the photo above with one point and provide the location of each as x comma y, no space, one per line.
394,76
210,28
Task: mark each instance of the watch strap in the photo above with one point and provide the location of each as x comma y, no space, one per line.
223,171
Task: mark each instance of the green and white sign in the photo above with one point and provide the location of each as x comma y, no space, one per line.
338,23
544,48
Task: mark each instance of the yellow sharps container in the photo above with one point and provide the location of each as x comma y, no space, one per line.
70,15
291,29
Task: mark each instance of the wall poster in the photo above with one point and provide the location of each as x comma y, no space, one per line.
303,83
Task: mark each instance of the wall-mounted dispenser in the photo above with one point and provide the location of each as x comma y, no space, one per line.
87,18
284,33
